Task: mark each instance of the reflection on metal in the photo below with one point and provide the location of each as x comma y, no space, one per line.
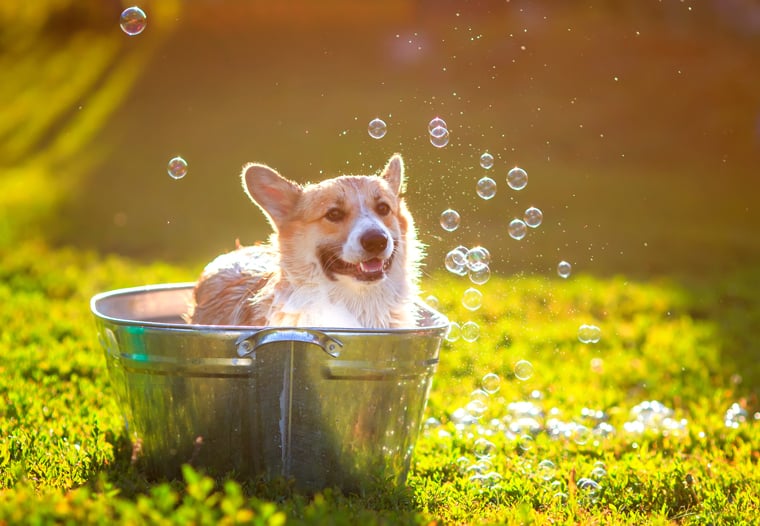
325,407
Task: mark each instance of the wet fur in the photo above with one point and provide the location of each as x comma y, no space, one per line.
285,282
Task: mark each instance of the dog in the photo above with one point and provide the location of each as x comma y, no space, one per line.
344,253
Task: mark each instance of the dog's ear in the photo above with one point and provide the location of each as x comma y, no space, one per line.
274,194
393,173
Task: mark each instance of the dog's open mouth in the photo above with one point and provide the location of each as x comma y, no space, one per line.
371,269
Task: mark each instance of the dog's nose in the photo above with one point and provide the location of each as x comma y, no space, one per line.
374,241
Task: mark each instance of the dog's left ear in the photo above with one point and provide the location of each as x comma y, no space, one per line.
393,173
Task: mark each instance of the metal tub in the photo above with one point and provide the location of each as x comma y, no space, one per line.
324,407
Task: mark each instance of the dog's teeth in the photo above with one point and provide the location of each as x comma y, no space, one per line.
372,265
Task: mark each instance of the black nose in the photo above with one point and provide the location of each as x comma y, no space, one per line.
374,241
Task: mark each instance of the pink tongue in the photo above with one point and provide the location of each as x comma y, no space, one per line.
371,265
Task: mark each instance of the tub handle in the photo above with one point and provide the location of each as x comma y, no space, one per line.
249,342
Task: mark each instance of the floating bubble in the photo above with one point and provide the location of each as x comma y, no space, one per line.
133,21
525,442
433,302
580,434
483,448
437,122
563,269
177,168
454,332
517,229
517,178
470,331
533,217
478,404
377,128
598,473
486,188
589,488
491,383
480,276
450,220
456,262
472,299
486,160
546,470
439,137
589,333
478,257
523,369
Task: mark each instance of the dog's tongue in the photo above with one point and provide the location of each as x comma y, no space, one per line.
371,266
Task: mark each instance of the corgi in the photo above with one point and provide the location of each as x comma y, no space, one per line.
344,253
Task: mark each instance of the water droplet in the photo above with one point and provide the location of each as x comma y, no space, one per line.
478,257
450,220
470,331
533,217
523,369
563,269
439,137
472,299
486,160
177,168
480,276
437,122
517,178
456,262
517,229
486,188
454,332
491,383
133,20
589,333
377,128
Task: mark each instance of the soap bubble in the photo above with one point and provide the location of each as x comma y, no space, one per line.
580,434
478,257
472,299
377,128
517,178
547,470
480,275
450,220
456,262
177,168
523,369
490,383
470,331
525,442
133,20
533,217
486,188
589,333
439,137
486,160
483,448
563,269
454,332
437,122
432,301
517,229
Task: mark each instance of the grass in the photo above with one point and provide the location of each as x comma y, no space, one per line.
66,458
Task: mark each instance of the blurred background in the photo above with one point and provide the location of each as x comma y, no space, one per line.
638,123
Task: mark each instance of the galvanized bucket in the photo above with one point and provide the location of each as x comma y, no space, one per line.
324,407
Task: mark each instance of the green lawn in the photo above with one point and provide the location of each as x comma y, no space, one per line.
572,452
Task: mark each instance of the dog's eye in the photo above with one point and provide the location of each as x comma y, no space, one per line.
383,209
335,215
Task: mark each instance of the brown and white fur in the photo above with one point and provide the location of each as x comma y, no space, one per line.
344,253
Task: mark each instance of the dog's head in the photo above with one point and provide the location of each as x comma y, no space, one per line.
350,228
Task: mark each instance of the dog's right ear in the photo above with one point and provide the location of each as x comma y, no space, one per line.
274,194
